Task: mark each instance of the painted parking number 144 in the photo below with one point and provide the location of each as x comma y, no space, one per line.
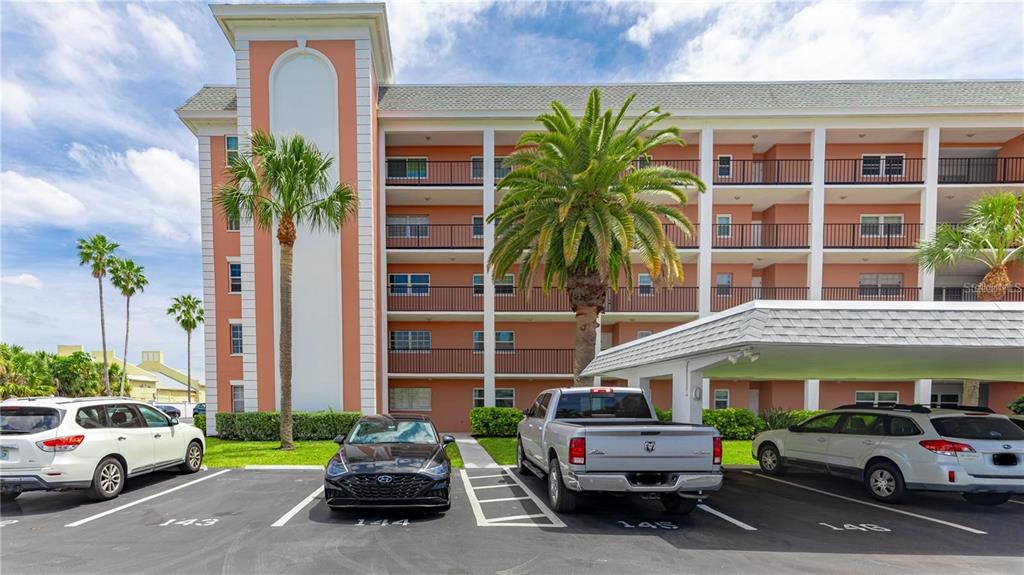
856,527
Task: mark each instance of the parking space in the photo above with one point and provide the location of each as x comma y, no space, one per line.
245,521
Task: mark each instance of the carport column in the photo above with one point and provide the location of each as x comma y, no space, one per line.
685,408
488,280
811,394
815,263
923,391
929,206
705,220
705,393
643,383
596,380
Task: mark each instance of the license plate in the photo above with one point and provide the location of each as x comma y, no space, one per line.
1005,459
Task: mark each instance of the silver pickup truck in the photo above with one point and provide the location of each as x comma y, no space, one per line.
608,439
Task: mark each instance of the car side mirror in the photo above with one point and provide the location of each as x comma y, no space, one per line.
527,413
794,428
174,420
339,439
447,439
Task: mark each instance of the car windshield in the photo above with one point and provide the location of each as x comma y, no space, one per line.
18,419
376,431
602,404
977,427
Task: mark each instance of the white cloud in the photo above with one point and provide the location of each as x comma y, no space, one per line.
28,200
165,36
424,31
17,104
25,280
658,18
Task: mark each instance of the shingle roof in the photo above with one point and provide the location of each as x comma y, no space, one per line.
921,324
211,99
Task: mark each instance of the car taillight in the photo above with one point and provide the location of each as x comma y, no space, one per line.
66,443
717,451
946,447
578,451
602,390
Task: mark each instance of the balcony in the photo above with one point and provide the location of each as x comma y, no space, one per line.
762,172
434,236
970,293
872,236
471,361
882,170
760,236
423,172
871,293
646,299
981,170
725,297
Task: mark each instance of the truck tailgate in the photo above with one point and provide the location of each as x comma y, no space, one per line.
649,448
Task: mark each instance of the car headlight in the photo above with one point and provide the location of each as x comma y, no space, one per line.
336,467
435,468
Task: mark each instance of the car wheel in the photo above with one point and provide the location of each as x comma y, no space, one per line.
986,498
885,482
560,498
677,504
107,480
9,495
769,459
193,458
521,465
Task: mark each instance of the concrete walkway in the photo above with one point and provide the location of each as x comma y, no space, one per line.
473,455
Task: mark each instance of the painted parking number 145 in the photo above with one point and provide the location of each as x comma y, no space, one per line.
856,527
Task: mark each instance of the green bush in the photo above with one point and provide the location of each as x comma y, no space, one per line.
663,414
494,421
200,422
779,418
266,425
734,423
1017,405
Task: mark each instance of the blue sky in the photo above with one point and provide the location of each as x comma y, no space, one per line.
90,143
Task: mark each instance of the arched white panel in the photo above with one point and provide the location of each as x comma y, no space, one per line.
304,100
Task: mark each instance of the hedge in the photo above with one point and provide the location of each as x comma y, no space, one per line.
200,422
735,423
778,418
1017,405
266,425
494,421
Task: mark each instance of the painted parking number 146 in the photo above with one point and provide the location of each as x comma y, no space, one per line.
856,527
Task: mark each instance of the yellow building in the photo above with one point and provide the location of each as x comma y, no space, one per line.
151,380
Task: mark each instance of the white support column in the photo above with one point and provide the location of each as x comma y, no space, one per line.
643,383
705,393
706,220
488,280
923,391
811,393
685,407
209,285
816,261
382,219
596,380
929,206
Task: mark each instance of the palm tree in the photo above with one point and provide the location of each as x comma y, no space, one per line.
97,251
992,233
578,203
130,278
286,181
187,310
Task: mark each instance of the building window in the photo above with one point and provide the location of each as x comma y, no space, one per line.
876,285
230,149
875,226
504,286
237,397
503,397
234,277
409,398
723,284
407,168
478,226
721,398
880,398
504,341
725,166
945,399
410,341
232,224
723,226
878,165
477,168
409,284
643,333
408,226
236,339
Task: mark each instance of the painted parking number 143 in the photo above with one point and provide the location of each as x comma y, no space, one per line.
856,527
198,522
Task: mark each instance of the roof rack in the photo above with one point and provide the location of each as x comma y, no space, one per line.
972,408
889,406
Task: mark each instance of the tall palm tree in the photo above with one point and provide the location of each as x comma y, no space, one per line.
578,203
992,233
97,251
187,310
285,181
130,278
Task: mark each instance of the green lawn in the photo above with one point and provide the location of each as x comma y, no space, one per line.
222,453
503,450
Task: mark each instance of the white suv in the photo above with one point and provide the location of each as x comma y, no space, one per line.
95,443
905,447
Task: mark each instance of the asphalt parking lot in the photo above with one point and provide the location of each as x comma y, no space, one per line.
275,521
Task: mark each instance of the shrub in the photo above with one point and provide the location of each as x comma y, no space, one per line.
200,422
494,421
663,414
734,423
266,425
779,418
1017,405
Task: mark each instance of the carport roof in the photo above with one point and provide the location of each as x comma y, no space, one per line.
893,328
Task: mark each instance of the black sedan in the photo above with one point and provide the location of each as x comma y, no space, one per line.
390,461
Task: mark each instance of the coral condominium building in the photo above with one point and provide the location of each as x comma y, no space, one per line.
816,190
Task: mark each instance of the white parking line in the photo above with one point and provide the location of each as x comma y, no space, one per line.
555,521
492,486
721,515
294,510
517,518
486,476
875,505
474,504
483,521
502,499
1017,502
144,499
